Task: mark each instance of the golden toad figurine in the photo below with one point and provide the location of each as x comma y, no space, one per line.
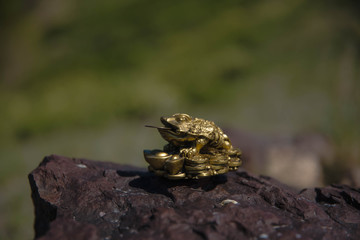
197,148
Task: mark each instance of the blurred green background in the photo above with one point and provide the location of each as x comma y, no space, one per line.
82,78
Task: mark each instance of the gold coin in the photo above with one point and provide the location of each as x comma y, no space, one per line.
195,161
195,168
221,171
176,176
218,166
234,162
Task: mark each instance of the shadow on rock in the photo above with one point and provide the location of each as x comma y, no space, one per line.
127,173
160,185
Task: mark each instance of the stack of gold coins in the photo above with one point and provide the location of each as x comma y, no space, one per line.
198,166
219,164
234,160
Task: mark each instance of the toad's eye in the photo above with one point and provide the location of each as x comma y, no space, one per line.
182,118
186,118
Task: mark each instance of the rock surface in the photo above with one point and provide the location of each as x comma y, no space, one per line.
83,199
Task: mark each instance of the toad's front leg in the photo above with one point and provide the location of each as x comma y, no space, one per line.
194,149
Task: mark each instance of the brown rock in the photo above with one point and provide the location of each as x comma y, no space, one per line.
82,199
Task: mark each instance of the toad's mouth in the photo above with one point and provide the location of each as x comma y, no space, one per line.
168,127
171,132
